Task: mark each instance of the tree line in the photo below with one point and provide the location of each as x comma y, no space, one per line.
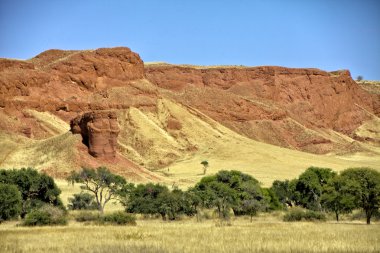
233,192
321,189
226,192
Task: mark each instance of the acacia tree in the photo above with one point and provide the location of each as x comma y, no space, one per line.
102,183
338,196
365,188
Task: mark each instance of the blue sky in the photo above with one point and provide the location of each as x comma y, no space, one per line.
326,34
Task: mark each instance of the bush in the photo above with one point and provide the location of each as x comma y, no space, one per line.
46,215
294,215
118,218
87,217
10,201
299,215
314,216
82,201
360,215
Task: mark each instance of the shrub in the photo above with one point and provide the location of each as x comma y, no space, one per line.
299,215
118,218
10,201
314,216
361,215
46,215
294,215
87,217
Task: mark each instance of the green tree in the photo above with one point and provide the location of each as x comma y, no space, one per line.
154,199
104,185
310,185
144,199
271,201
227,190
366,189
10,201
35,188
171,203
251,207
192,202
338,196
284,191
82,201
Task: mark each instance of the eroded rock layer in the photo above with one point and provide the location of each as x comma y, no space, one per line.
99,130
277,105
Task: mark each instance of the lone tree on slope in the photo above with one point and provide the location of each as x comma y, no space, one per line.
205,166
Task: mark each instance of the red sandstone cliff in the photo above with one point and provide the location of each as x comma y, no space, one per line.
294,108
271,104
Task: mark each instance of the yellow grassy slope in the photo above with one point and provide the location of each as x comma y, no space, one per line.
176,154
57,151
223,148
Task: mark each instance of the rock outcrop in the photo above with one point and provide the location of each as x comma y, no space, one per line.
57,79
99,130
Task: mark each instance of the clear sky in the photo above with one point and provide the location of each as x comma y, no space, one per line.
326,34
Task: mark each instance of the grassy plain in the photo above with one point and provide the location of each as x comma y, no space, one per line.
262,235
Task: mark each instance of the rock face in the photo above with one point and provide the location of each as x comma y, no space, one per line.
311,96
99,130
281,106
99,69
305,109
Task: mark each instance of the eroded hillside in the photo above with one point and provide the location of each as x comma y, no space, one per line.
257,120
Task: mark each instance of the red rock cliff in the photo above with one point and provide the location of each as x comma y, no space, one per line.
311,96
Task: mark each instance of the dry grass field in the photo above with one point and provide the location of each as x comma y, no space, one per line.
262,235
